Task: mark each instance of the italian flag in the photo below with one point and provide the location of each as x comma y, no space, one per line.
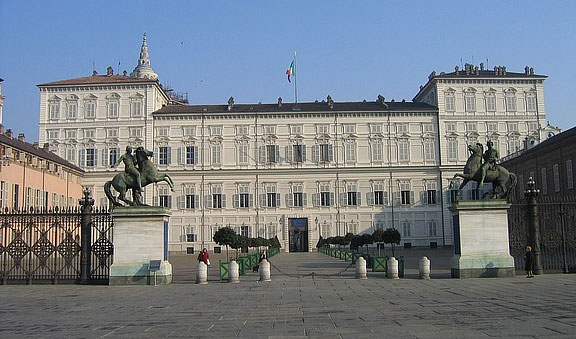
290,71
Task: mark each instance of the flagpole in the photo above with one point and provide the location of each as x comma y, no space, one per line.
295,86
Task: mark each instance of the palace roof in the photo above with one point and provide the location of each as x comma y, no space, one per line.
98,80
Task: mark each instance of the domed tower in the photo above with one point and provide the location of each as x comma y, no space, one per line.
144,70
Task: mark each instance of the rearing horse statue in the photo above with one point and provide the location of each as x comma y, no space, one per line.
502,181
122,182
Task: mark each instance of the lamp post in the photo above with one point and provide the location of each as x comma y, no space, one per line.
534,228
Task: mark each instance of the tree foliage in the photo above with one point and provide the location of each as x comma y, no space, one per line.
391,236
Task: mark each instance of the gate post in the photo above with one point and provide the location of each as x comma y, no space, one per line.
534,226
86,237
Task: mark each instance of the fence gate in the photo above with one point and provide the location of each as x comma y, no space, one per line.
557,223
45,245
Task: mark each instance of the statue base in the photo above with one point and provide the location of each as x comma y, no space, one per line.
140,235
481,242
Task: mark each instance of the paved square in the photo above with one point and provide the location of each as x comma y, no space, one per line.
325,307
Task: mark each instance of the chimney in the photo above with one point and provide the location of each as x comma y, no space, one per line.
531,70
481,66
94,73
21,137
1,129
46,147
330,101
279,101
457,70
230,103
124,73
8,133
109,71
503,70
526,70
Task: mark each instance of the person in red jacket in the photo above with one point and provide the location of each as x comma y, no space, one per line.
204,256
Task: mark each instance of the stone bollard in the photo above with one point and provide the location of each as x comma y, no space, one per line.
202,274
361,268
233,272
424,268
392,268
264,270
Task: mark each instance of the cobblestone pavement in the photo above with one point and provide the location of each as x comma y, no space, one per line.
324,307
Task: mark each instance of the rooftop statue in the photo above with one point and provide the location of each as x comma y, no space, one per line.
139,172
487,171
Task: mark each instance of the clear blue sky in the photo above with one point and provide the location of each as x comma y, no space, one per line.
352,50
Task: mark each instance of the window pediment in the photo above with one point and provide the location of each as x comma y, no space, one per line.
514,134
403,136
162,139
351,137
90,97
54,98
113,96
472,134
136,96
215,139
189,139
270,138
72,97
112,140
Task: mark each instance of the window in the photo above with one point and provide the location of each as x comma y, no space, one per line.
90,110
403,153
470,102
350,150
325,153
452,149
135,132
272,198
215,130
90,157
15,196
163,131
113,155
402,128
380,197
164,155
112,133
89,133
428,128
271,154
269,129
406,229
217,197
71,154
298,152
429,152
492,127
190,235
164,197
512,127
242,153
297,195
544,181
491,102
70,134
375,128
511,101
325,194
245,231
376,147
322,129
431,197
190,199
453,195
432,228
242,130
112,109
569,175
473,193
531,103
296,130
54,110
471,127
136,108
191,154
216,154
532,126
3,195
53,134
72,110
189,131
244,196
352,196
556,173
450,127
349,129
514,145
450,102
405,193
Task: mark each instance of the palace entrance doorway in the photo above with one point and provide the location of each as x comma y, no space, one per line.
298,234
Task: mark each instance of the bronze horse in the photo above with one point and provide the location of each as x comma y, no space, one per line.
502,181
122,182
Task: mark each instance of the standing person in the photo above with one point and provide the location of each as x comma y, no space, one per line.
529,262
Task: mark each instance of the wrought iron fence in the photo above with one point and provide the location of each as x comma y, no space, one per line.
45,245
557,222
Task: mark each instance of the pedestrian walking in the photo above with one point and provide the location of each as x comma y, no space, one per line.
529,262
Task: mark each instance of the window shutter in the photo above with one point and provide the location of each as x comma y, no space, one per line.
181,155
169,201
223,200
181,201
423,198
156,200
315,153
82,158
438,192
315,199
386,200
277,154
105,157
95,157
156,155
195,155
359,198
263,200
304,200
343,200
330,153
288,153
169,155
332,200
303,153
196,201
412,198
277,199
289,202
370,198
208,201
251,200
262,155
396,200
236,200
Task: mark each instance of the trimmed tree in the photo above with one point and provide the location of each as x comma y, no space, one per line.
378,237
225,237
392,236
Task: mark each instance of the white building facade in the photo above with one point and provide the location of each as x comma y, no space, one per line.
297,172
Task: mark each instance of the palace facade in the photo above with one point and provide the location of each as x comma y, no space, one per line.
295,171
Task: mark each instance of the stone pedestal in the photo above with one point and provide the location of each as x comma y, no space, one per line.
140,234
481,243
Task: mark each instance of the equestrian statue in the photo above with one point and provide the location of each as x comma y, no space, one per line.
139,172
487,171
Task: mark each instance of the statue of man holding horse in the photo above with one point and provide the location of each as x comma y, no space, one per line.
139,172
486,171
